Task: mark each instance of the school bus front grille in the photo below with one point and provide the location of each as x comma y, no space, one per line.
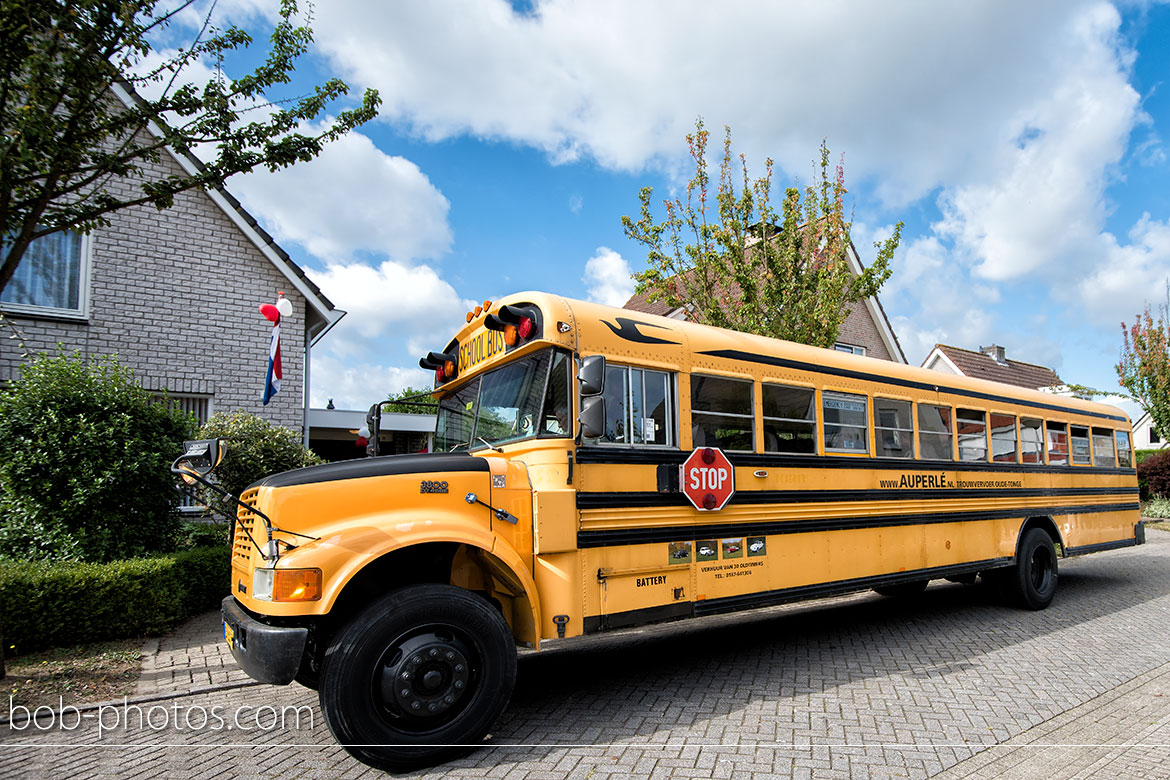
242,544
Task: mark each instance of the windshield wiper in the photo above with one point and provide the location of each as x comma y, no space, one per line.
489,445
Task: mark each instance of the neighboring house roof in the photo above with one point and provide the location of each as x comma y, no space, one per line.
874,308
322,314
982,365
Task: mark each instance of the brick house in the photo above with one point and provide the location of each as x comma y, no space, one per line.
991,363
865,331
174,295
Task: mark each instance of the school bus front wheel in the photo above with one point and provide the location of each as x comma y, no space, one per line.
418,678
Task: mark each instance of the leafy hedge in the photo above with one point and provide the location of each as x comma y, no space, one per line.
84,474
64,603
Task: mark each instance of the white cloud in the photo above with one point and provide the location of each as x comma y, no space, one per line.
919,95
1042,205
353,197
408,304
356,385
1128,277
607,277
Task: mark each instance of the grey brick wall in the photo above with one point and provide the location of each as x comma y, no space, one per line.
174,294
859,329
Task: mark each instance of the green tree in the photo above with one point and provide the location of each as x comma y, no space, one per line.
1144,369
64,134
84,467
732,261
411,400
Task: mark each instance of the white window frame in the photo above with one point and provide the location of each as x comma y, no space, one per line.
853,349
53,312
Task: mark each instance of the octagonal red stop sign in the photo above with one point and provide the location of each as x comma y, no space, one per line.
707,479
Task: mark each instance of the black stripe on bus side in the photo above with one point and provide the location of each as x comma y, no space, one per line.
622,536
1085,549
651,499
636,617
654,457
769,360
820,590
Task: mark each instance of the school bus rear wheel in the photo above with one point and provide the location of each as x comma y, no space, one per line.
417,678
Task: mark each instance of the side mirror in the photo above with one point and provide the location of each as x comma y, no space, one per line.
199,459
592,417
592,377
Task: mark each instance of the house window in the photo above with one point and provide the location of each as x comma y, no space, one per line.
852,349
1154,438
51,278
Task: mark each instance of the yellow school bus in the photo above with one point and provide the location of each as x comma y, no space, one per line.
597,468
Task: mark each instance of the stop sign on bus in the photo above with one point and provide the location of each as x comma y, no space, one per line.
707,479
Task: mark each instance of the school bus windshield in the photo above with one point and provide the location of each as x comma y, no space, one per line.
520,400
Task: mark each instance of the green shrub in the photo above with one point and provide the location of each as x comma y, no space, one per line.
1158,507
1140,455
256,449
1154,476
84,457
46,604
199,533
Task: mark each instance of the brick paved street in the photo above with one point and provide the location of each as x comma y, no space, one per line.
951,686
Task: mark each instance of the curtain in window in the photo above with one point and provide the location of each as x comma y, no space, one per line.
49,274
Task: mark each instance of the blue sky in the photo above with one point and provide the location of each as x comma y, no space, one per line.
1022,145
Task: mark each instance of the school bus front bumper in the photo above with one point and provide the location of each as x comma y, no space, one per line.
270,654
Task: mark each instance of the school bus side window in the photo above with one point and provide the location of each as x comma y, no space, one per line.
1031,440
638,407
934,432
893,428
790,418
846,422
555,415
1124,452
1078,437
1003,438
1057,444
1103,448
972,434
722,413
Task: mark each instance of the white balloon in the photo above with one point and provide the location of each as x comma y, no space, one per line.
284,306
364,432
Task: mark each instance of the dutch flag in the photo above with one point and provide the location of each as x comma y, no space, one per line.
272,382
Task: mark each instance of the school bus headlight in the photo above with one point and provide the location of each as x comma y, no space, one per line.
286,584
297,585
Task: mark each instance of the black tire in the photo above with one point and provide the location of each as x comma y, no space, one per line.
903,589
1032,582
459,662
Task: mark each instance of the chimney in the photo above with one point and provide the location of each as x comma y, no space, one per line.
995,352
